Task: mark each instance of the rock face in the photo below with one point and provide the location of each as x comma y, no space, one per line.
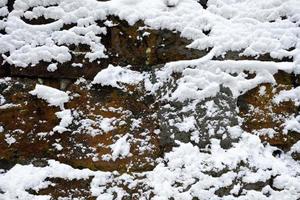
67,189
203,3
128,129
102,116
266,118
125,45
208,120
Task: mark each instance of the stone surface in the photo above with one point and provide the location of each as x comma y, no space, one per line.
149,124
260,113
71,189
209,119
135,45
30,121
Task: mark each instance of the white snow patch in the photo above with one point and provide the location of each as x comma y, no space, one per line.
188,124
292,124
106,124
113,76
121,148
52,67
57,146
262,90
66,119
53,96
296,147
286,95
2,100
9,139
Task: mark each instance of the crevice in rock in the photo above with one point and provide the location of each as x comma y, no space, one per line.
203,3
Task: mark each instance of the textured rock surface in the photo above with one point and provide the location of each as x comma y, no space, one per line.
208,120
261,114
125,45
30,121
149,126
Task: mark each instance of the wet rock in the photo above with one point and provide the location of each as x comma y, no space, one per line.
64,71
235,55
10,5
38,21
296,155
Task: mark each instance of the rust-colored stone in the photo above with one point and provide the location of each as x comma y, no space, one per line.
71,189
260,112
31,121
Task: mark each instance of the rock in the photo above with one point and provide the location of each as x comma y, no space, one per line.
131,45
204,126
6,164
10,5
60,188
203,3
30,122
125,45
4,69
171,3
261,114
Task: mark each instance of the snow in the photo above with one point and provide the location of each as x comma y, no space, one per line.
252,28
2,100
171,3
114,76
262,90
105,124
20,178
52,67
9,139
286,95
296,147
66,120
121,148
187,124
58,146
58,98
186,165
292,124
51,95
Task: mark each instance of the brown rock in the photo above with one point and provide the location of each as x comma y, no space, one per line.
260,112
31,120
125,44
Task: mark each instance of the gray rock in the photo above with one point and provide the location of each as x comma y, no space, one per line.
206,127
